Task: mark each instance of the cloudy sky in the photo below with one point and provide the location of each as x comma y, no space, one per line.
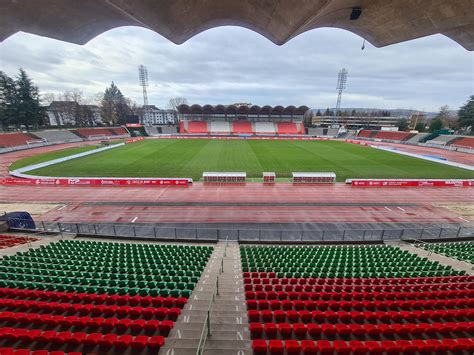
231,64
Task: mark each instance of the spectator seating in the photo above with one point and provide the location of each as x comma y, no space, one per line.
7,241
242,127
168,129
15,139
464,142
118,131
460,250
219,127
264,128
365,299
443,139
392,135
81,294
197,127
416,138
87,133
58,136
365,133
288,128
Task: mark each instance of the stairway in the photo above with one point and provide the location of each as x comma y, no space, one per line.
229,324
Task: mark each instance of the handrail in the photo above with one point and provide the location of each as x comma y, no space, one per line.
447,247
207,320
225,246
419,241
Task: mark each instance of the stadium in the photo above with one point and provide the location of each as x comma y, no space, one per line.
240,229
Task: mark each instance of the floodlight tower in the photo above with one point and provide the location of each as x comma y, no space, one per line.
143,77
341,85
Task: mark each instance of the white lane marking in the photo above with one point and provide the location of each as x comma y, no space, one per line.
239,336
133,220
63,206
170,352
401,209
464,219
388,209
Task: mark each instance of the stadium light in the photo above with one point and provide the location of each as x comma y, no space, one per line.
143,78
341,85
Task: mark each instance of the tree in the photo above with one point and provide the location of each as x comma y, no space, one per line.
420,127
466,115
318,113
402,124
446,117
436,124
28,108
7,100
175,102
354,113
114,106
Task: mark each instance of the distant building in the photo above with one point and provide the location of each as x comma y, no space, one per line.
65,114
153,116
356,122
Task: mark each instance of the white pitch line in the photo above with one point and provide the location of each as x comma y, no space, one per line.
401,209
388,209
133,220
464,219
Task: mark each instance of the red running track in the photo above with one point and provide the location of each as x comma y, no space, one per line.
250,214
458,157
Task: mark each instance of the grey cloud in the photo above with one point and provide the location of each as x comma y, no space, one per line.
231,64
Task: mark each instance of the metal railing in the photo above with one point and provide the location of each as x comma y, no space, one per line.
206,328
155,232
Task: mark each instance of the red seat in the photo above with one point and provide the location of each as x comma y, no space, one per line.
139,342
324,347
151,325
107,341
422,346
299,329
342,347
46,336
76,338
314,329
309,347
259,346
92,339
270,330
276,347
156,342
374,347
285,330
123,341
137,324
358,348
256,330
292,347
391,347
61,338
165,327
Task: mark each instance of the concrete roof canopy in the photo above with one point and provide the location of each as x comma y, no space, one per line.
380,22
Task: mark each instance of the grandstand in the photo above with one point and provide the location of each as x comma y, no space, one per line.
241,119
115,296
100,133
242,127
216,127
58,136
442,139
265,128
386,135
353,299
8,140
463,142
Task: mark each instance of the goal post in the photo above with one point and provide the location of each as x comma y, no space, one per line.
36,142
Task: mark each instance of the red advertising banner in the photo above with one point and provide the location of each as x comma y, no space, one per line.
95,182
133,140
412,183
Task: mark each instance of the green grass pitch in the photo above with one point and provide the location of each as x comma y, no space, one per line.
189,158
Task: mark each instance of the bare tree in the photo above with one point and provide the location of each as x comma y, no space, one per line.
175,102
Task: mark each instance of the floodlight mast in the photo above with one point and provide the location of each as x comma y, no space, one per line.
143,78
341,85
